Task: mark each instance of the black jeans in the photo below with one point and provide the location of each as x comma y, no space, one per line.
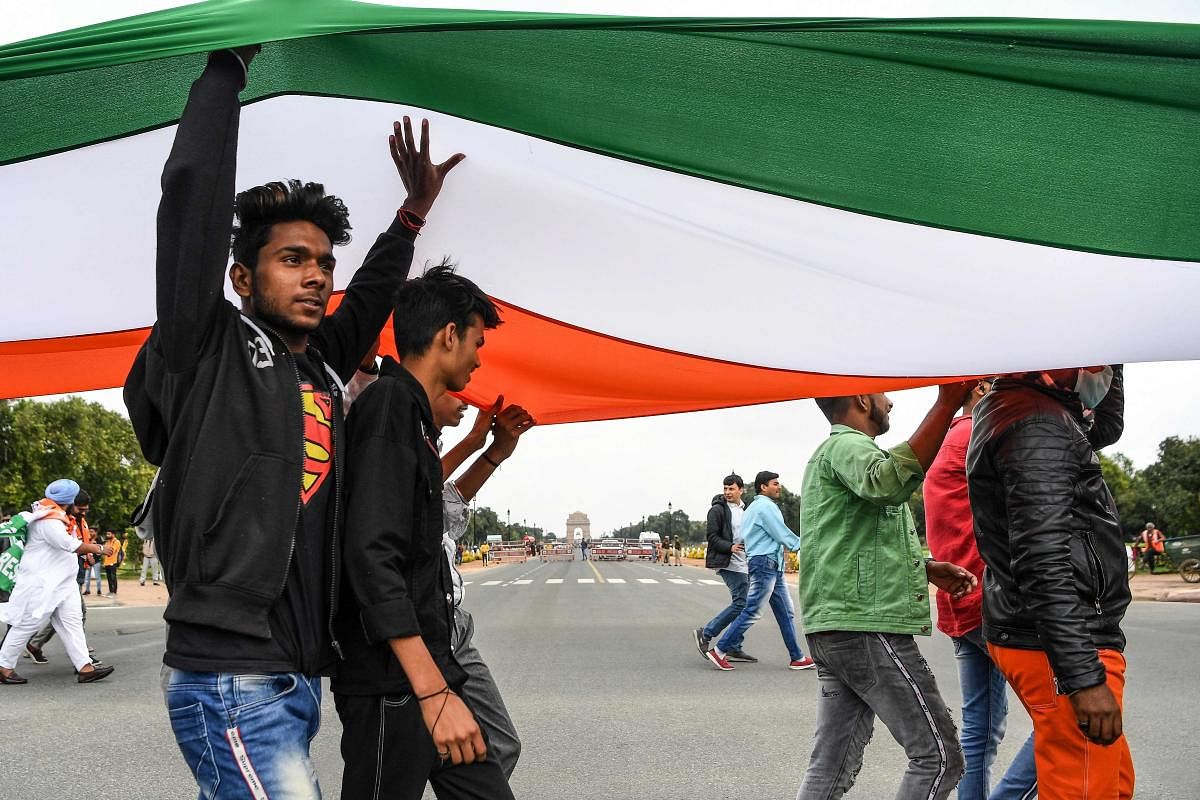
111,572
389,755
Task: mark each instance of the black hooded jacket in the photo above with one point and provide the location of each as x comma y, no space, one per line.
214,396
720,534
1047,526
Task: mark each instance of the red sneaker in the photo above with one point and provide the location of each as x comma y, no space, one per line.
802,663
718,660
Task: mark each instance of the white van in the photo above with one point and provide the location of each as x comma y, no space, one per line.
649,536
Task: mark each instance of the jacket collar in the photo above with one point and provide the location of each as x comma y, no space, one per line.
391,368
1066,398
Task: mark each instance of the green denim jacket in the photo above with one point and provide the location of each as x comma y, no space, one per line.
861,565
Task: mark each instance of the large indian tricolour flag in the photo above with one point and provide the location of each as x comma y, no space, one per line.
672,213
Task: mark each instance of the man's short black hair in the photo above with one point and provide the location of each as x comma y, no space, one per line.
762,479
733,479
260,207
429,303
82,499
834,408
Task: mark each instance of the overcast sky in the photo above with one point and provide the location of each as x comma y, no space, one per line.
616,472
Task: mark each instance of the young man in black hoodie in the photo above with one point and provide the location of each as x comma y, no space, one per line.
404,722
727,555
241,409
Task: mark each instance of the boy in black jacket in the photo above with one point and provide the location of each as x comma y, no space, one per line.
241,409
397,693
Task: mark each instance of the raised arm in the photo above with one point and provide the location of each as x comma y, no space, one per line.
347,334
195,214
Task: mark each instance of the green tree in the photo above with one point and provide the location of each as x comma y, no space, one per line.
71,438
1171,487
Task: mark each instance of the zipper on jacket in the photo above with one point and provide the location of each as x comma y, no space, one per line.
291,360
333,539
1091,548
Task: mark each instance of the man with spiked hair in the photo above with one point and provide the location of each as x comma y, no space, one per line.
405,720
241,410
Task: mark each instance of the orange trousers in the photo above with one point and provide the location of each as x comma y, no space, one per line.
1069,765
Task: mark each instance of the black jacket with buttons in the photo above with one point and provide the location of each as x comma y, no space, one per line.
1047,526
394,562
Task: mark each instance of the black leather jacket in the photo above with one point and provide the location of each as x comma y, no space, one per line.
1047,526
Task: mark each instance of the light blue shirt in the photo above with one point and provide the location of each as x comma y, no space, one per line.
765,532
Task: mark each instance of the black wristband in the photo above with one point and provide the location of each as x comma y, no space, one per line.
484,456
431,695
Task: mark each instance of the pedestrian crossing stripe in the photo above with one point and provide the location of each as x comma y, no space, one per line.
490,583
554,580
522,582
616,580
679,580
711,582
586,580
647,580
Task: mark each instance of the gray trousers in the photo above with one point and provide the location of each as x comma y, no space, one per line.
47,633
867,675
482,696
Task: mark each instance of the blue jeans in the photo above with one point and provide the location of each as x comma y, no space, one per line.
984,717
766,584
737,583
246,736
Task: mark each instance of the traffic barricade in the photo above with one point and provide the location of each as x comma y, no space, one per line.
558,552
508,553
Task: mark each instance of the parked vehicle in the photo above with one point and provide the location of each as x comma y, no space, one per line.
609,550
639,548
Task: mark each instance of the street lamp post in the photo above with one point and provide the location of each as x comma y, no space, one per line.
507,524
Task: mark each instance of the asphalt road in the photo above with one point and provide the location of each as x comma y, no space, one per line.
611,698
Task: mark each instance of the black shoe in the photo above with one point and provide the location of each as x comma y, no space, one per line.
702,641
36,654
12,678
96,674
740,655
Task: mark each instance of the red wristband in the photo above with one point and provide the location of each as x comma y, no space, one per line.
410,220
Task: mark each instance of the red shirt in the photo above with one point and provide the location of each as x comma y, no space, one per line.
949,528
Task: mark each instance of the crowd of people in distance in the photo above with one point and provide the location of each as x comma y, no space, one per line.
1028,560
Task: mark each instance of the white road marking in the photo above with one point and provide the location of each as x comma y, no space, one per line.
524,582
711,582
490,583
647,580
616,580
554,580
585,580
679,580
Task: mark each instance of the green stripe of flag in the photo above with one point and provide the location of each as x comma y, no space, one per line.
1073,134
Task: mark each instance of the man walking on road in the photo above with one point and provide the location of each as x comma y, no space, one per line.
1152,545
766,538
863,586
1056,587
950,533
242,409
727,555
405,719
150,564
